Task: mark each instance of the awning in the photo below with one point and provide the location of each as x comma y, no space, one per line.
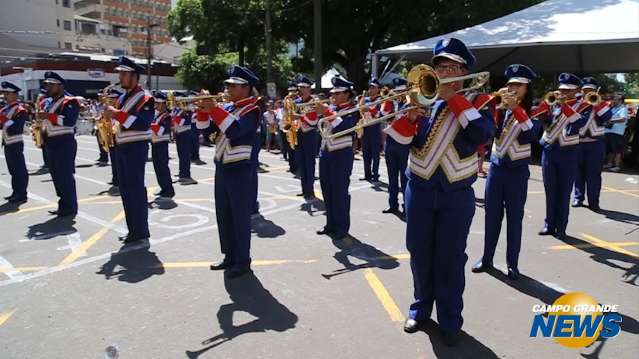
586,36
87,19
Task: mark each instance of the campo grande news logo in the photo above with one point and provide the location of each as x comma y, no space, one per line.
575,320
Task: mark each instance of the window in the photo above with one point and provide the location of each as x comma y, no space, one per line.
67,25
66,3
68,46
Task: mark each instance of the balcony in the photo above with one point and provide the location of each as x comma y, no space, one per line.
89,8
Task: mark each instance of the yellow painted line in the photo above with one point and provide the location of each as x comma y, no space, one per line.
584,245
607,245
621,191
5,316
82,248
22,269
54,205
401,256
383,296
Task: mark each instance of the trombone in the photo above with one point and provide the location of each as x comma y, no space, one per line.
423,89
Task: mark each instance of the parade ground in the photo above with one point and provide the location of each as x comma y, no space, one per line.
70,289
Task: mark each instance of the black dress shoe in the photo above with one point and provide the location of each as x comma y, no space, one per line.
450,339
481,267
390,210
546,232
53,213
365,179
221,265
324,231
8,198
560,235
594,208
237,272
513,273
133,239
577,203
17,200
411,326
300,194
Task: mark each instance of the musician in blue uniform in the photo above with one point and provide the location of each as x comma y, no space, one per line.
161,127
559,143
184,143
591,151
440,202
307,138
372,135
12,119
237,123
195,137
61,114
336,159
113,96
134,113
507,183
288,153
396,152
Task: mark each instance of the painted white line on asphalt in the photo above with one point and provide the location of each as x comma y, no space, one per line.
80,214
9,270
73,241
152,242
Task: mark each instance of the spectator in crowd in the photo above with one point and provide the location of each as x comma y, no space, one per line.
615,133
270,123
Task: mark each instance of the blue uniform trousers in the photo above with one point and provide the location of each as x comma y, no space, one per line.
131,160
160,154
558,169
590,161
335,173
114,167
233,204
255,163
184,143
195,142
437,229
371,148
307,151
14,154
396,157
506,189
61,151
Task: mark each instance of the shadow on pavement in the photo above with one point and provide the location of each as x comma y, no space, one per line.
248,295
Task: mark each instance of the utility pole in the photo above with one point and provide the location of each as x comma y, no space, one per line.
271,89
317,43
149,53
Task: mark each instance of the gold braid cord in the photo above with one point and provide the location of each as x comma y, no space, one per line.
421,152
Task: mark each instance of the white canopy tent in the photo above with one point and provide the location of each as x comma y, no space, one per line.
581,36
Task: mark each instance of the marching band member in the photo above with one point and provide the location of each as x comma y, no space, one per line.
60,116
307,139
112,97
134,113
336,160
591,151
288,153
12,119
40,102
372,136
507,183
161,127
183,140
440,202
396,152
195,137
237,124
559,155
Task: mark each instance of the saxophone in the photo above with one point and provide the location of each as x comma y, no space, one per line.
37,127
290,125
106,135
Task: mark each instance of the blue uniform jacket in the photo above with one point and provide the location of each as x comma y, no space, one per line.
510,149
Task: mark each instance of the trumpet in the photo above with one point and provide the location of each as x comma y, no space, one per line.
302,108
423,88
551,99
498,96
592,98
